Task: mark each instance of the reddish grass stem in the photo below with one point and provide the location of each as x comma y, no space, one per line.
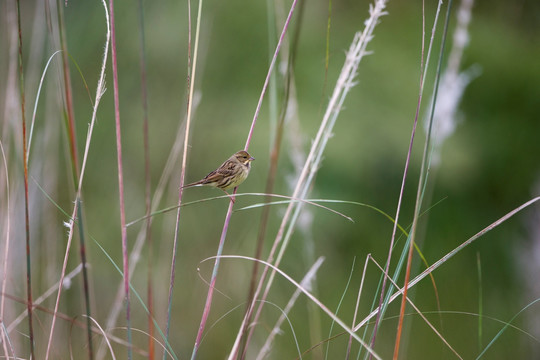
26,200
268,75
418,204
265,215
448,256
86,287
248,141
402,190
189,84
343,85
99,94
272,172
75,169
208,303
69,96
125,255
148,188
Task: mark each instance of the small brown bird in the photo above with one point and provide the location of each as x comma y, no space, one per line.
230,174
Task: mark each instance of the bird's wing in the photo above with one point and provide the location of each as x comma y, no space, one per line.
225,170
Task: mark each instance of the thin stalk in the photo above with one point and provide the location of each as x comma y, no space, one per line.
269,74
272,95
100,89
135,256
403,180
40,299
68,93
4,334
418,311
34,113
339,307
480,301
344,83
123,228
384,303
263,223
306,281
75,167
208,303
326,55
46,310
148,188
507,324
105,337
449,255
357,306
26,199
310,296
236,349
313,202
272,172
275,144
86,287
191,71
401,193
423,179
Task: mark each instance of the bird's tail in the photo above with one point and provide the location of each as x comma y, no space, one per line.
192,184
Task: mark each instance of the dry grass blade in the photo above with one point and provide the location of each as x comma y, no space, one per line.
100,89
308,278
4,337
105,338
451,254
68,278
26,196
310,296
423,178
344,83
123,229
400,290
229,211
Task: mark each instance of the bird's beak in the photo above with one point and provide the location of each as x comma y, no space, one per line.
251,158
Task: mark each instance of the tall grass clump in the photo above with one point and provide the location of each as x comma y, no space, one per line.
385,216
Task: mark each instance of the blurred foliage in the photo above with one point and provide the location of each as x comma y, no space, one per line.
489,165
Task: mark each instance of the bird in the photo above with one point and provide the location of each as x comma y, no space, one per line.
229,175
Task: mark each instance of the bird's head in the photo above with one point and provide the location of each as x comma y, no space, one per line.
243,157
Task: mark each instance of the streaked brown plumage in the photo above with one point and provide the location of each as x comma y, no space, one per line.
230,174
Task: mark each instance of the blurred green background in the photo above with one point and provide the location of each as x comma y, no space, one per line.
489,166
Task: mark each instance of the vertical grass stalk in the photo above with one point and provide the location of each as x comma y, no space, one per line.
344,83
3,333
410,241
147,192
309,278
100,90
450,255
229,212
423,176
404,178
480,301
75,167
68,93
123,229
276,137
26,200
191,71
208,303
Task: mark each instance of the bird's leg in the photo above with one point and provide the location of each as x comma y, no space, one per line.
230,197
